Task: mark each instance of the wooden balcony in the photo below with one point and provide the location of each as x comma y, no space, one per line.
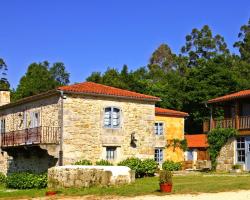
31,136
240,123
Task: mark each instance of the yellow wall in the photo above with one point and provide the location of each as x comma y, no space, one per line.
173,129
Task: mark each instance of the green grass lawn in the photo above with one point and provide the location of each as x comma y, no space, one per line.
182,184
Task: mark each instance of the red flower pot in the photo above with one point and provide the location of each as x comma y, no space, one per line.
50,193
166,187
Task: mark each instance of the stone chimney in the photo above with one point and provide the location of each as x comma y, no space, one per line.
4,97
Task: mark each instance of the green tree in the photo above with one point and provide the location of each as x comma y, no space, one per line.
201,44
59,73
163,57
112,78
210,79
40,78
244,42
95,77
4,83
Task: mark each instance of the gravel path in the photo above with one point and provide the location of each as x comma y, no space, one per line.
239,195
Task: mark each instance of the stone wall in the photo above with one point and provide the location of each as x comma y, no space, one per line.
225,160
86,138
4,158
87,176
173,129
32,159
18,118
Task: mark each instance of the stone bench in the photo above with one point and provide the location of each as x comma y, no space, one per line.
86,176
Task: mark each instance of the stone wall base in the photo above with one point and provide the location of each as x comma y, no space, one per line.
86,176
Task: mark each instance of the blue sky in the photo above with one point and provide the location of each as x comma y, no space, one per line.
92,35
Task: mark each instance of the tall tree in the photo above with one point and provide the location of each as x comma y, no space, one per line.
201,44
244,42
4,83
59,73
95,77
112,78
40,78
163,57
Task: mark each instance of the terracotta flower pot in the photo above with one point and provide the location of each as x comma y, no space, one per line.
166,187
50,193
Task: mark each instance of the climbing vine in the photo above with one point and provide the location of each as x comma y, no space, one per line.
217,138
182,144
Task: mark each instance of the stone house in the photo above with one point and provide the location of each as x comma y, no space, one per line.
81,121
236,109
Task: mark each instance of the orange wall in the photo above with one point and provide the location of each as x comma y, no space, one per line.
173,129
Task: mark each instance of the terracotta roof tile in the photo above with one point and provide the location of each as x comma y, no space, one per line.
196,141
169,112
99,89
236,95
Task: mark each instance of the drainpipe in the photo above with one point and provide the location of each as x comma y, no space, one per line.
61,132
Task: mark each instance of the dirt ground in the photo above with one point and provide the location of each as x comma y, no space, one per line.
239,195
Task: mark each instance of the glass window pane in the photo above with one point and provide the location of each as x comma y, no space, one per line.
107,117
158,155
110,153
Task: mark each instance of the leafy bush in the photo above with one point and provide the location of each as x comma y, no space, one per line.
2,178
25,180
237,166
134,164
83,162
217,138
165,177
171,165
104,163
149,167
143,168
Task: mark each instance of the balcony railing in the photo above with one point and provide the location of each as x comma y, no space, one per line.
240,123
31,136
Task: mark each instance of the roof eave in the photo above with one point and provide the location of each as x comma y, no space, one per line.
29,99
172,115
113,96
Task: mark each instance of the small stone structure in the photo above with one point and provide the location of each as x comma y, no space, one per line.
86,176
225,160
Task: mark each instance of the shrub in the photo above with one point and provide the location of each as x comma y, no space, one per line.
237,166
149,167
165,177
104,163
217,138
83,162
171,165
2,178
25,180
134,164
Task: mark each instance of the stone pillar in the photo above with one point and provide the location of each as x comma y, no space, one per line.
4,97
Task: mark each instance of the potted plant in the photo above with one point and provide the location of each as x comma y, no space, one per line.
50,193
165,179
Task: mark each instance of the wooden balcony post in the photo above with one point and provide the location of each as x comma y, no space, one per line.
237,113
211,119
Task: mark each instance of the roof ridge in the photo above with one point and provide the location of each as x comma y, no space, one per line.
89,87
